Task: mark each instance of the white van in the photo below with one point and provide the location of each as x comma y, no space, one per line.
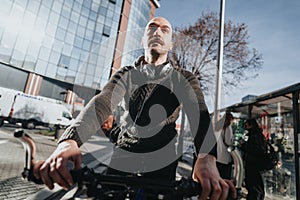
7,97
34,110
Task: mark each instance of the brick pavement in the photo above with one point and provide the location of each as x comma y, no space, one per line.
17,188
12,158
12,154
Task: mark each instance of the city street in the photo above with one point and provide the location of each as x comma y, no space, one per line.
71,63
12,155
12,186
12,158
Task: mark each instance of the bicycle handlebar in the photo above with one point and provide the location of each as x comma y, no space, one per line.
95,183
91,183
134,185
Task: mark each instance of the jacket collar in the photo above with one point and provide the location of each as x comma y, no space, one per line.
150,70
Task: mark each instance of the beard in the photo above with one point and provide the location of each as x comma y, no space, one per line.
155,41
154,52
157,50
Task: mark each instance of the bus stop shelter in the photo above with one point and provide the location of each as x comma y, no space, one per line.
279,115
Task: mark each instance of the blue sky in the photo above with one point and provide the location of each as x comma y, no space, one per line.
273,27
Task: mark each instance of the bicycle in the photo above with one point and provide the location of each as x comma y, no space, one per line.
92,185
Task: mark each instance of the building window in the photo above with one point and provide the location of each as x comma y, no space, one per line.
64,61
87,3
86,45
7,74
113,1
102,10
53,89
78,42
106,31
60,34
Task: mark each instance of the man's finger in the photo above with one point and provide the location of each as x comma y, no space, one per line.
225,190
216,190
36,169
61,166
232,188
77,162
206,189
54,174
44,173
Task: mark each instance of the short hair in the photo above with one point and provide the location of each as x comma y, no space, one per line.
253,123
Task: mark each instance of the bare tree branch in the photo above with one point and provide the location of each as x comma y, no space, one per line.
196,49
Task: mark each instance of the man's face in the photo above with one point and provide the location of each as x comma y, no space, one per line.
247,126
158,36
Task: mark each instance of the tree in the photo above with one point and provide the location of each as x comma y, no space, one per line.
196,48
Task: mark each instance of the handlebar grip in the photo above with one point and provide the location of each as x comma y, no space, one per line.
188,188
28,174
18,133
77,175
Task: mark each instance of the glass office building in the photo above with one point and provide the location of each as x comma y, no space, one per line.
48,47
138,18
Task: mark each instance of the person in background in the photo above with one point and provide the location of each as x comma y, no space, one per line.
154,91
253,150
224,159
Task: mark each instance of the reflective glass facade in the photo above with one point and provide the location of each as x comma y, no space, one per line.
138,19
62,43
66,40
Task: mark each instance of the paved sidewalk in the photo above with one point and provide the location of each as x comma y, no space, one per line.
17,188
12,158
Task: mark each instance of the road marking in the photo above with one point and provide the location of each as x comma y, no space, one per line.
3,141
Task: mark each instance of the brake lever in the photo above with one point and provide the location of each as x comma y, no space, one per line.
30,150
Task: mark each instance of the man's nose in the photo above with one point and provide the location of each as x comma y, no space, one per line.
157,31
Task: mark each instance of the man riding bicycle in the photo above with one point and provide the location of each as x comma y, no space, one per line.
154,92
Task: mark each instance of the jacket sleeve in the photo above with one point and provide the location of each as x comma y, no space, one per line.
255,145
196,110
228,136
98,109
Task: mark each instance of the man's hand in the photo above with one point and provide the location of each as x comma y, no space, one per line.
54,169
213,186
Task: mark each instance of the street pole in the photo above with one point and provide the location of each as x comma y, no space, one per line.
219,63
